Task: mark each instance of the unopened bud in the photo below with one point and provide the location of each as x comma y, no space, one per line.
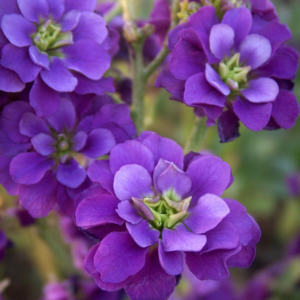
148,30
130,32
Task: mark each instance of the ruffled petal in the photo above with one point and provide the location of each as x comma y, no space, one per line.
255,50
214,79
29,168
93,63
56,8
199,91
99,172
261,90
118,257
38,199
172,262
143,234
209,174
18,60
173,180
64,118
209,211
128,212
221,41
90,27
80,5
39,58
151,282
44,100
10,82
164,148
99,142
17,30
254,116
132,181
44,144
211,265
240,20
131,152
186,60
58,77
285,109
71,174
33,10
97,211
180,239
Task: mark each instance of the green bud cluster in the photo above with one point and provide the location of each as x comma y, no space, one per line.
233,74
49,36
163,212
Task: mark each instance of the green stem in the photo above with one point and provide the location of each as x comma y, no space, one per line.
136,38
128,10
139,85
116,10
60,251
162,55
197,136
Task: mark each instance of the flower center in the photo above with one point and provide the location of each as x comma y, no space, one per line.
233,74
63,144
162,212
49,36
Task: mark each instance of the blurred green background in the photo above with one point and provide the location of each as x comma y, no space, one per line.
260,161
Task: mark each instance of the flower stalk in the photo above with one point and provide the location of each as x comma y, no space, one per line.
197,137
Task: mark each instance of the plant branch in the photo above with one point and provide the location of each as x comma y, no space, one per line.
128,10
197,136
116,10
162,55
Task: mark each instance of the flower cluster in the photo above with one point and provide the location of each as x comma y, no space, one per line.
60,46
42,158
236,69
157,210
151,212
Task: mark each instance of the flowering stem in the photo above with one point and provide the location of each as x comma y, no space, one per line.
197,136
136,38
50,236
128,10
116,10
162,55
139,85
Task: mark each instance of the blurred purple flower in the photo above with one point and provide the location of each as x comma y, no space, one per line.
24,218
192,289
232,70
61,46
4,243
260,287
76,289
293,184
159,210
40,156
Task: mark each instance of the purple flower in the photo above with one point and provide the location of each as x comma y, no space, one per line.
193,289
61,46
233,70
261,286
159,210
4,243
43,159
76,289
293,184
263,8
